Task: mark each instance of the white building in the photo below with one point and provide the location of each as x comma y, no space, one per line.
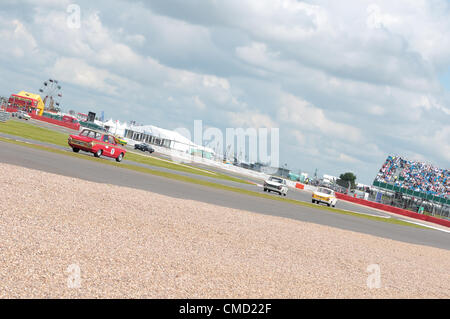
157,136
115,127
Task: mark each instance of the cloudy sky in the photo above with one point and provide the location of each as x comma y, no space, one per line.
346,82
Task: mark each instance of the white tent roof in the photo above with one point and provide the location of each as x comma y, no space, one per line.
112,123
167,134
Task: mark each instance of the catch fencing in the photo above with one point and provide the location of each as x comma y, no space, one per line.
400,200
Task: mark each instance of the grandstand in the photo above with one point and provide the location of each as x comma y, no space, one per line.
414,178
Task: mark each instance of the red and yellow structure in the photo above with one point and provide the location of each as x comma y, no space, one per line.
34,106
25,101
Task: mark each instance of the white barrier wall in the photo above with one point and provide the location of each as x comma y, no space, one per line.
181,157
185,158
290,183
310,188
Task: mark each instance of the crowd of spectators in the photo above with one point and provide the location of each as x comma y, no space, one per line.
416,176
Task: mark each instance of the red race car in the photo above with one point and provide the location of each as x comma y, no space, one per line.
98,143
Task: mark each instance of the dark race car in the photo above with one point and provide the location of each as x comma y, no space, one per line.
144,147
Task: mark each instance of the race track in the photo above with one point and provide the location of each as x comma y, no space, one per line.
97,172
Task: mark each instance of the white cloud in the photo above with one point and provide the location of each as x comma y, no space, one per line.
360,78
211,81
251,119
17,40
376,19
297,111
286,20
77,71
347,159
199,103
258,54
438,143
377,110
299,137
135,39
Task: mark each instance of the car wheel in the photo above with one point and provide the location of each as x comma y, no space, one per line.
313,201
328,205
265,189
98,153
120,157
76,150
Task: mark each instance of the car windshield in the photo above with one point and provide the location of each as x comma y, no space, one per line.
325,191
277,180
84,133
91,134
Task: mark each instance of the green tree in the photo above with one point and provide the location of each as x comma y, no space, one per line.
345,178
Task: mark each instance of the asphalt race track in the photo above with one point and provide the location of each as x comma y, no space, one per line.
97,172
293,194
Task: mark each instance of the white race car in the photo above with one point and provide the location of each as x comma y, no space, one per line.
324,195
276,184
23,115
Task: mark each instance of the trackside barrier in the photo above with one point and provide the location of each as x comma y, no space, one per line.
310,188
73,126
186,158
4,116
183,157
300,186
394,210
291,183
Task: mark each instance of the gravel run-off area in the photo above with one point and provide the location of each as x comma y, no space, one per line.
129,243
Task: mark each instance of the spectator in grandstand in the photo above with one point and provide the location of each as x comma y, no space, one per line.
417,176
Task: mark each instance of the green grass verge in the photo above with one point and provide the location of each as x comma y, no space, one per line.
210,184
33,132
182,168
